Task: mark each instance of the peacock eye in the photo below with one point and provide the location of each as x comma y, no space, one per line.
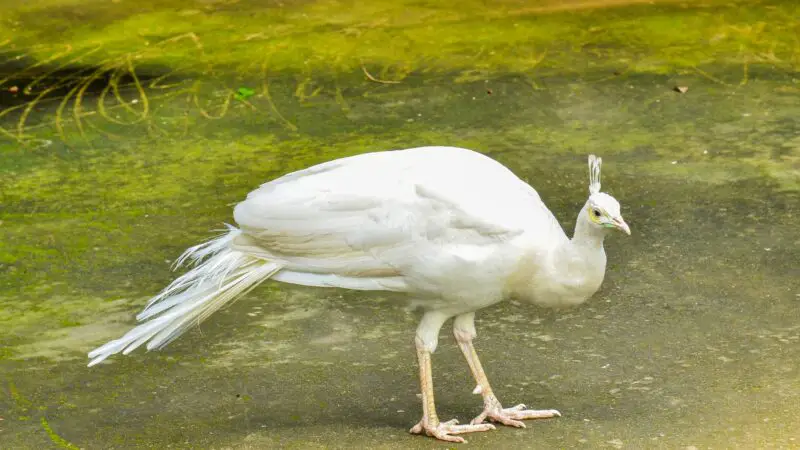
596,212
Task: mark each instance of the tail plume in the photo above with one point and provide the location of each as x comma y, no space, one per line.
218,276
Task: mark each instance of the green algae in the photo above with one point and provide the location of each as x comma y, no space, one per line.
325,36
57,440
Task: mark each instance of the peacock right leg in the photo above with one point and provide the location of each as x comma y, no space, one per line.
464,331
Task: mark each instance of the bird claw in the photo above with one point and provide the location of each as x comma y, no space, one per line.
512,416
445,430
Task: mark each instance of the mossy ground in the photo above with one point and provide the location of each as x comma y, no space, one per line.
122,142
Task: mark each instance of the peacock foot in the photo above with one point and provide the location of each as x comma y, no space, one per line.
513,416
446,430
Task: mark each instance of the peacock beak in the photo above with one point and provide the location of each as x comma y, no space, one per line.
621,225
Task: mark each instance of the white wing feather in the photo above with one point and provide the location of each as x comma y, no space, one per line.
380,217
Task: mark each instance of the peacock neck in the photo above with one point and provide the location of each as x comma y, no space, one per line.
587,237
569,274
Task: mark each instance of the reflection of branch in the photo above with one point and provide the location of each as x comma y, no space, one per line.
154,83
24,405
37,64
371,78
744,73
97,128
265,90
28,107
113,85
709,76
339,96
101,99
45,124
536,61
68,63
78,103
300,90
139,89
24,116
206,114
60,112
58,440
61,78
11,109
10,135
78,89
179,37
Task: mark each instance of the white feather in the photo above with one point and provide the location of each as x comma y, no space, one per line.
594,174
225,275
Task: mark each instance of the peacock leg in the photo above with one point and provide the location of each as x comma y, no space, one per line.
430,424
464,331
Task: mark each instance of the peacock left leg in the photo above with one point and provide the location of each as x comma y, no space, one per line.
426,340
464,331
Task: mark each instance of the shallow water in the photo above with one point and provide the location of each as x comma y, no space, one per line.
125,143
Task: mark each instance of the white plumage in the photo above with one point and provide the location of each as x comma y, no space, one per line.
453,228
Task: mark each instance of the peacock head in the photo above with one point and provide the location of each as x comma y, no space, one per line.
602,209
